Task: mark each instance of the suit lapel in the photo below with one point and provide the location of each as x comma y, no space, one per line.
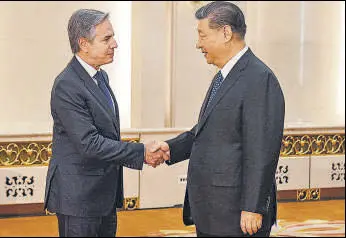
228,83
94,89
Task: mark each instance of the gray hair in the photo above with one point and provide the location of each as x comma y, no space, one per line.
223,13
82,24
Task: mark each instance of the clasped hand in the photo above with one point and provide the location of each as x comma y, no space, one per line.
156,153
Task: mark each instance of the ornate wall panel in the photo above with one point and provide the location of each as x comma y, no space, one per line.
312,163
23,169
313,144
327,171
321,156
22,185
25,154
292,173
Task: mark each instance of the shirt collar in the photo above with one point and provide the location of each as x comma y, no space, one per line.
90,70
230,64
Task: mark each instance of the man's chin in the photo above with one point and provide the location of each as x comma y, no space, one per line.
209,62
109,61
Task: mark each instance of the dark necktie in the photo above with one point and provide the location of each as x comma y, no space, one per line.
216,86
102,85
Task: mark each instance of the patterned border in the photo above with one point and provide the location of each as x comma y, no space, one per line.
302,145
131,203
312,194
25,154
30,154
39,153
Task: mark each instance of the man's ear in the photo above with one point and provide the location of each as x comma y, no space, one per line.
228,33
83,44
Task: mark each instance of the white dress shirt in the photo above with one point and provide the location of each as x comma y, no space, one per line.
91,71
230,64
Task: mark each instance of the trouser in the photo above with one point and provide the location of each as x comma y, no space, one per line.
72,226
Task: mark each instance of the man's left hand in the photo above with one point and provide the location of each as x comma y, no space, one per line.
250,222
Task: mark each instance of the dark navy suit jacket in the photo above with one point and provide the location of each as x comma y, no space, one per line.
85,175
234,150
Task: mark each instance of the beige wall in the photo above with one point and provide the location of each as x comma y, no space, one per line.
34,48
300,41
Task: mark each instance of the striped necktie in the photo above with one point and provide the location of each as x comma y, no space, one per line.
216,86
102,85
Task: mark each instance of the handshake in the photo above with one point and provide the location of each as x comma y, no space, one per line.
156,153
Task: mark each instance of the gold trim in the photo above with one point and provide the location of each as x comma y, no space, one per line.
33,153
131,203
302,194
304,145
27,154
315,194
311,194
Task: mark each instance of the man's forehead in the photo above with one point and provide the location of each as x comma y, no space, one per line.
203,24
105,28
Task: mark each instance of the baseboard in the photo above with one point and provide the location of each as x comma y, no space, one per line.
22,209
311,194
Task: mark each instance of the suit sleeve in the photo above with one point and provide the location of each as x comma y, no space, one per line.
180,146
71,109
263,122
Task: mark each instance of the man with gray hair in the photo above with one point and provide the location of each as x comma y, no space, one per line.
235,146
84,183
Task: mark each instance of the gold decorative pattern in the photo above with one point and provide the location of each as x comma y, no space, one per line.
25,154
302,194
300,145
29,154
131,203
313,194
39,153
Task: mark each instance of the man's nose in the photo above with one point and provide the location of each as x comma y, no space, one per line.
114,44
198,45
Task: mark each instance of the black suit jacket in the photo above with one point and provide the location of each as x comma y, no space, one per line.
234,150
85,172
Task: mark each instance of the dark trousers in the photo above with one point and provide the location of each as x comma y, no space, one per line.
260,233
71,226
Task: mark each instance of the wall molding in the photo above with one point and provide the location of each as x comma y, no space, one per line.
36,149
312,144
129,204
300,195
22,209
18,151
310,194
36,153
